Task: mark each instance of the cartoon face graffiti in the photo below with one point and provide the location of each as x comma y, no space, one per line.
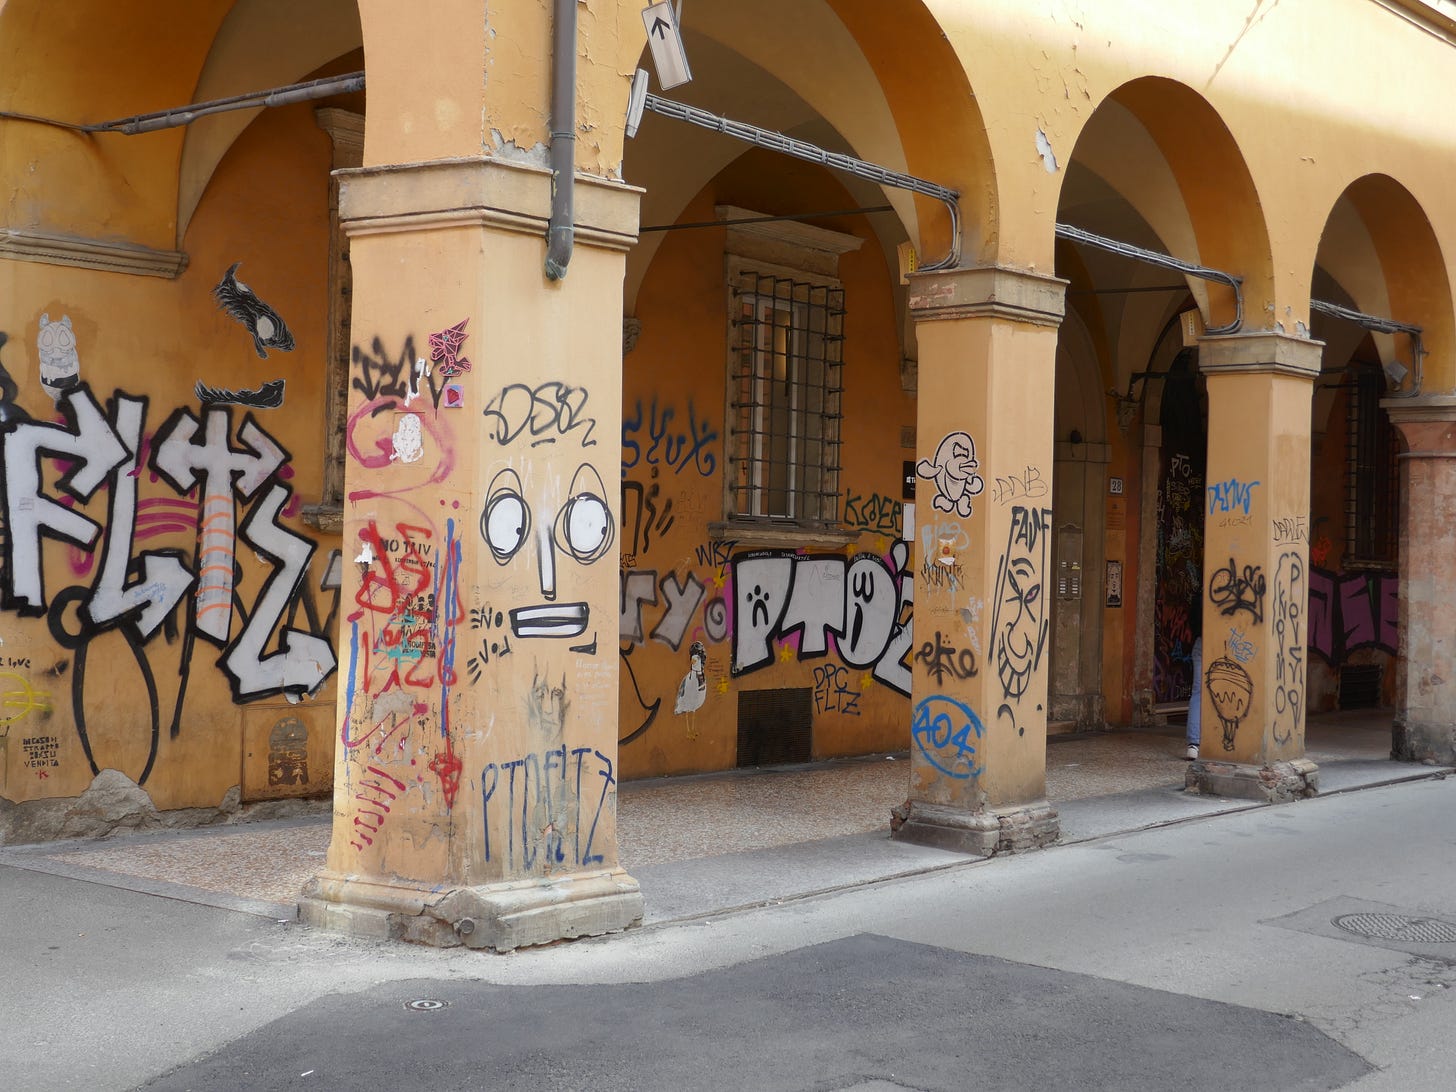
60,366
1019,626
546,706
954,472
578,527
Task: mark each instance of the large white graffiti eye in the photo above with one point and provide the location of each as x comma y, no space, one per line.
587,521
506,520
585,529
505,525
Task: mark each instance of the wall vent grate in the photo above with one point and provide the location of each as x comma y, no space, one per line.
775,727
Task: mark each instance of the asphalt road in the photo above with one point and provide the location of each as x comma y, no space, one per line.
1303,946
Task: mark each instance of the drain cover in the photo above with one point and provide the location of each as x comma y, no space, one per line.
1399,927
425,1004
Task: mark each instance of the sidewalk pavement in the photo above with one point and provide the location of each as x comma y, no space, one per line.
712,843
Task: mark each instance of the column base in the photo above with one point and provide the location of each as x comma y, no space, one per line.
985,833
501,916
1276,783
1417,742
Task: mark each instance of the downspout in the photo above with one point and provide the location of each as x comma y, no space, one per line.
563,139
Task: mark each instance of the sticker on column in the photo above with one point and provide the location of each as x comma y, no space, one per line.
407,444
445,351
954,472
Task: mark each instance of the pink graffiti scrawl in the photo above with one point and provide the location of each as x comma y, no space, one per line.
445,350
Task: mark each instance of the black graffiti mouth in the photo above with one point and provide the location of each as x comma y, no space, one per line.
550,620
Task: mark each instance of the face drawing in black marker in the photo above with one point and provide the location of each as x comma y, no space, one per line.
578,528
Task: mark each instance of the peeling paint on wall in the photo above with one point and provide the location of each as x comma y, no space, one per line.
1044,149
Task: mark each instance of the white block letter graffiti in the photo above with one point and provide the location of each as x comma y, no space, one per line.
682,600
761,587
182,461
304,661
817,603
164,579
95,452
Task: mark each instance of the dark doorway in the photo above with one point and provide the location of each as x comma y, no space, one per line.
1178,609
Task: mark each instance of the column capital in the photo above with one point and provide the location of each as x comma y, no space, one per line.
346,131
992,291
1427,423
1260,351
482,191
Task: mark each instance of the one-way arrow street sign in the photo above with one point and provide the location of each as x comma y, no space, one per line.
665,40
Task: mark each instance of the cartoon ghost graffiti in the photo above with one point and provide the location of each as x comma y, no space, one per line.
954,472
60,365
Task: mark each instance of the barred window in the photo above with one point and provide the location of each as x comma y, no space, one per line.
1372,494
785,399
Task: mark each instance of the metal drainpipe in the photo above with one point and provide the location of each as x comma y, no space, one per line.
559,237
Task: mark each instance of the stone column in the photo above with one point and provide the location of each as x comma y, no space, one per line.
1256,567
982,559
1425,717
475,784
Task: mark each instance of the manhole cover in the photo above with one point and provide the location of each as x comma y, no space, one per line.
1398,927
425,1004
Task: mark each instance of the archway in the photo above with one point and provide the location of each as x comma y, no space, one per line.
1139,176
1378,257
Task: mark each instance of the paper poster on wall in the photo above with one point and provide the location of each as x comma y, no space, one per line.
1114,583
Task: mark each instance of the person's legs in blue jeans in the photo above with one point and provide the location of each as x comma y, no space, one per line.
1195,701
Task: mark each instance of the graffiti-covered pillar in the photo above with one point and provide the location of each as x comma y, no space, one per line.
982,537
1425,717
1256,567
476,764
475,791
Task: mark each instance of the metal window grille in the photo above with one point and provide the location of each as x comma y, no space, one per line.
787,388
1372,496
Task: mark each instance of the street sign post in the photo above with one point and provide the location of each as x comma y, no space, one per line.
665,40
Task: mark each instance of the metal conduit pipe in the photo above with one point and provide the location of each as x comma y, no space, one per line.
278,96
560,236
1376,324
184,115
1164,261
812,153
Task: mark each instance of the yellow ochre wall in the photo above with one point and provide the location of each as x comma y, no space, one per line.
1263,121
155,338
674,387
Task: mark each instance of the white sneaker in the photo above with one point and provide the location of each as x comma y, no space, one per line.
1192,752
